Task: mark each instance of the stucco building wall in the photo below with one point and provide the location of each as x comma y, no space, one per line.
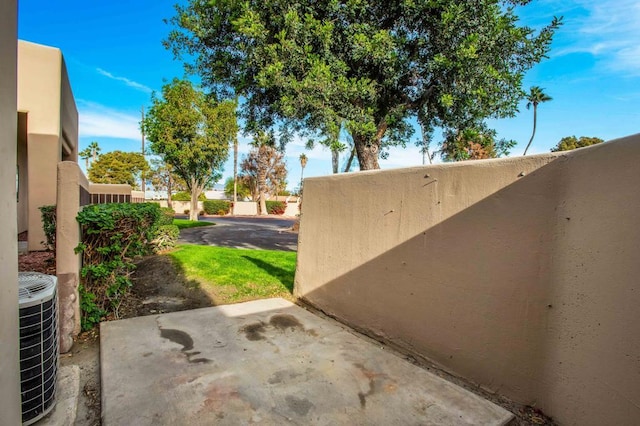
44,95
9,364
517,274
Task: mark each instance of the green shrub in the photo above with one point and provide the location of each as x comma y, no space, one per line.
219,207
186,196
276,207
48,214
166,237
166,216
112,234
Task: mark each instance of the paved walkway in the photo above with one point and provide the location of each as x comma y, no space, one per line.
268,362
267,233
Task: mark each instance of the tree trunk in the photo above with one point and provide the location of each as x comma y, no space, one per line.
169,189
347,167
367,151
335,160
535,113
235,174
193,211
262,179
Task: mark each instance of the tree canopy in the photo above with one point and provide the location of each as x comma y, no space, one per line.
118,167
571,142
369,64
263,170
475,143
192,133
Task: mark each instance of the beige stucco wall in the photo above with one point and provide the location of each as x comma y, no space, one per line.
518,274
9,371
70,181
44,93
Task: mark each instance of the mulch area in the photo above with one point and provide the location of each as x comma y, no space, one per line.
37,261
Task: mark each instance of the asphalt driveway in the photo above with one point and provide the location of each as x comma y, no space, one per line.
267,233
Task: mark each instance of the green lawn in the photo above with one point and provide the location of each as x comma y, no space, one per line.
232,275
185,223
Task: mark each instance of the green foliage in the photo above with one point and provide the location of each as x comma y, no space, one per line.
475,143
118,167
48,214
373,64
242,189
219,207
91,314
571,142
112,234
166,216
191,132
166,237
185,196
276,207
235,275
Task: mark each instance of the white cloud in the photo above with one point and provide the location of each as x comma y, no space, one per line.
100,121
130,83
606,29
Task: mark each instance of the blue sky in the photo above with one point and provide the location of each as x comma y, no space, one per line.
115,59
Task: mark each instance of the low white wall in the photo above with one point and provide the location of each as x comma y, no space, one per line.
179,206
292,209
245,208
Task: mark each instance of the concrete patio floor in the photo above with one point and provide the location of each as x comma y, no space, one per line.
268,362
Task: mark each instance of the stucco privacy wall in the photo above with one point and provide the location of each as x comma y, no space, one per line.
9,371
518,274
45,95
71,185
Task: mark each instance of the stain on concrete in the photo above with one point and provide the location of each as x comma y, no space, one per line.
146,354
300,406
280,322
179,337
254,331
283,322
282,376
374,383
184,339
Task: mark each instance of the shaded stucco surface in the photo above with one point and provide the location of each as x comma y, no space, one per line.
518,274
9,371
44,95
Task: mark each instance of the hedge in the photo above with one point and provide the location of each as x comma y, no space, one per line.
112,234
219,207
276,207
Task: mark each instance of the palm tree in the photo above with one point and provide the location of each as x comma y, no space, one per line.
535,97
85,154
303,164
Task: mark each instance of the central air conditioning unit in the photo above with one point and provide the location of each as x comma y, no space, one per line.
38,344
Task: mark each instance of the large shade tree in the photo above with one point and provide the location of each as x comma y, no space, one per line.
118,167
371,64
192,133
264,169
